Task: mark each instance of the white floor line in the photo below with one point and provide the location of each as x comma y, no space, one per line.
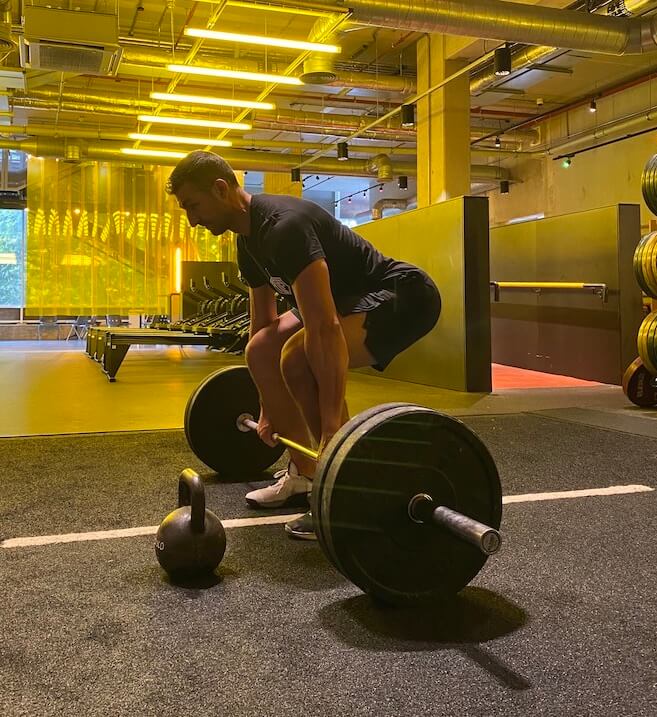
275,519
133,532
584,493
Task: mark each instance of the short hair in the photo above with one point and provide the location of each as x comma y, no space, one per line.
201,169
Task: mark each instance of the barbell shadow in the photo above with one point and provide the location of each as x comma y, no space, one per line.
473,616
505,675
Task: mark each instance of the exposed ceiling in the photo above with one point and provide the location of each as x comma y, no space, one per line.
70,114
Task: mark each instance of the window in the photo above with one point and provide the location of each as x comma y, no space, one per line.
12,258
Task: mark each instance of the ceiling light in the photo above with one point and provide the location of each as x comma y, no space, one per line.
295,174
343,151
402,182
567,162
234,74
172,139
498,142
593,107
8,258
408,115
260,40
504,186
152,153
190,122
218,101
502,61
380,187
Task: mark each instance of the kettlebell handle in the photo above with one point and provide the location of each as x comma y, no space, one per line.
191,491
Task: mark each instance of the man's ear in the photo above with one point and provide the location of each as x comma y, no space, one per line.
220,188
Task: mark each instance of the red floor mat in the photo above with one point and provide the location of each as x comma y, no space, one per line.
512,377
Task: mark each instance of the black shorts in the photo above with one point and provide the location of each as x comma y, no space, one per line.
408,308
401,311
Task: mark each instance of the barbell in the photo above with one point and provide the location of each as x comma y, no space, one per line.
406,500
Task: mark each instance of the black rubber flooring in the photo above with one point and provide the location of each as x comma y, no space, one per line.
561,622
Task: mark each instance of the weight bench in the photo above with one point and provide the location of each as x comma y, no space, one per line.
116,344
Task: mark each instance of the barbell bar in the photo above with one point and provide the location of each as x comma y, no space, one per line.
368,518
421,507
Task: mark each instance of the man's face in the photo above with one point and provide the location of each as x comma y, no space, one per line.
211,208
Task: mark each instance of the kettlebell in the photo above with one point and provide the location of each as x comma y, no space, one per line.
191,540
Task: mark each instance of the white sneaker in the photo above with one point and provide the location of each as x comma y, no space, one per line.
290,487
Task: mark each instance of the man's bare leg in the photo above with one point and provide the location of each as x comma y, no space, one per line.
263,357
300,379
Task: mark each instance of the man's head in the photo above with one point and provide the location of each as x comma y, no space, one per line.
206,188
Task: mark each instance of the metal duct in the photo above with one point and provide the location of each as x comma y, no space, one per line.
71,132
511,22
238,159
152,62
382,166
627,7
388,203
319,67
642,119
282,120
519,61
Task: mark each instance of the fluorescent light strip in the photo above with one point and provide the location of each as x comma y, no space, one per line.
260,40
152,153
217,101
172,139
190,122
234,74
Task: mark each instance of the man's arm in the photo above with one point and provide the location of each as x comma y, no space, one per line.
263,310
324,342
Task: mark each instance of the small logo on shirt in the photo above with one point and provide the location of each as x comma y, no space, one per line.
279,285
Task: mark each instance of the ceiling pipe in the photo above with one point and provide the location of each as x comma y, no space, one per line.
511,22
606,131
283,120
239,159
387,203
319,67
526,57
151,62
75,133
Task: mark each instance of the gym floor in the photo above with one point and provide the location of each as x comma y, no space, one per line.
561,621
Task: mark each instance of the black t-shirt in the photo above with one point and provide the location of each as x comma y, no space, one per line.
287,234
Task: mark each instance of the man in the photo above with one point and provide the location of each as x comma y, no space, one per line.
353,307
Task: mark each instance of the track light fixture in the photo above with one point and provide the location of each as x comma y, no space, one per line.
504,186
502,61
593,107
408,115
343,151
402,182
295,174
567,162
498,142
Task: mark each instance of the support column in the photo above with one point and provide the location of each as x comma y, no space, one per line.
280,183
443,126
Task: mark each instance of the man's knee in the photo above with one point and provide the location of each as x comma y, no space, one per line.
263,349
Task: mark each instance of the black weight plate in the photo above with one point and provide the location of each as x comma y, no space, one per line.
637,263
327,458
639,385
648,184
645,341
648,265
385,462
211,425
642,340
651,345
